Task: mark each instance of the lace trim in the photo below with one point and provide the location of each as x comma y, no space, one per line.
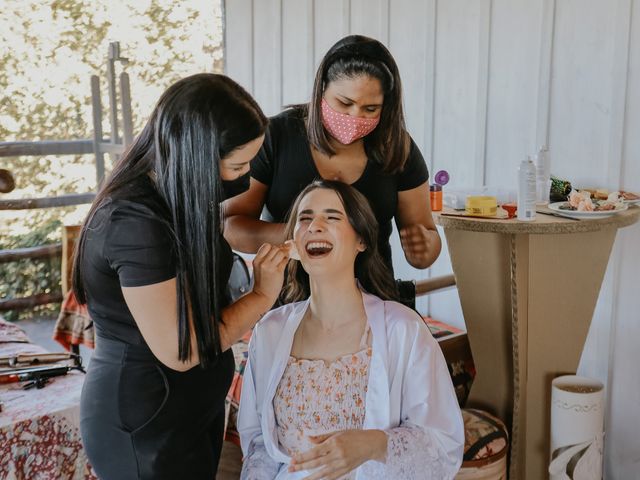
412,454
258,464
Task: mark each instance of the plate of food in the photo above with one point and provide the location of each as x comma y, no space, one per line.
582,205
630,198
599,194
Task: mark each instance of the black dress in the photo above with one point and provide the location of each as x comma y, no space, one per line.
140,419
286,166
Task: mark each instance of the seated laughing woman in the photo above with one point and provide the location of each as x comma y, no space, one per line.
345,383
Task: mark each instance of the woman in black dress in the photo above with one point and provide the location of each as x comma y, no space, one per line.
152,266
353,131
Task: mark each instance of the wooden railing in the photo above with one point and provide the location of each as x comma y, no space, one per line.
52,251
115,145
434,284
31,253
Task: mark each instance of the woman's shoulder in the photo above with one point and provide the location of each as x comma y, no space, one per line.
398,318
275,320
398,313
137,199
289,120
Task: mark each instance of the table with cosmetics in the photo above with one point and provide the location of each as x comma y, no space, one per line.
528,291
40,428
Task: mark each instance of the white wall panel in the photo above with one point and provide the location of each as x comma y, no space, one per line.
332,22
581,87
456,89
267,54
370,18
238,37
297,51
623,446
485,83
513,76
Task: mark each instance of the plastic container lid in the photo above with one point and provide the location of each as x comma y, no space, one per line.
442,177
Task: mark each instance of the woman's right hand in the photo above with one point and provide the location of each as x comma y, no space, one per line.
268,270
268,277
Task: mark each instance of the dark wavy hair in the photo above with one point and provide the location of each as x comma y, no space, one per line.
370,269
353,56
197,121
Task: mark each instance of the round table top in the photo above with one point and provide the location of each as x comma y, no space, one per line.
543,223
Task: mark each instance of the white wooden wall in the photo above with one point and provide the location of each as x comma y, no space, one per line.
486,82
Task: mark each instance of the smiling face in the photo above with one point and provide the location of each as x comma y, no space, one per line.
326,241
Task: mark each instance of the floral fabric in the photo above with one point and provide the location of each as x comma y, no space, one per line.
39,428
316,397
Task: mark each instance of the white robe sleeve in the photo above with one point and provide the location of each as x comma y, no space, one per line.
429,442
257,463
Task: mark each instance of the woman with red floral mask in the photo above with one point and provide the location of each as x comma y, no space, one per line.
352,130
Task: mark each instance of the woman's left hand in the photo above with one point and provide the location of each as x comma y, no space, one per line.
421,246
338,453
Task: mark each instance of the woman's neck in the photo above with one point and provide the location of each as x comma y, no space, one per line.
335,302
341,149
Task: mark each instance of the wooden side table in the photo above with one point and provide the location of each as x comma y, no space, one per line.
528,291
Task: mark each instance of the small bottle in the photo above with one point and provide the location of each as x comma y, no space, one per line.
543,176
527,190
435,190
435,195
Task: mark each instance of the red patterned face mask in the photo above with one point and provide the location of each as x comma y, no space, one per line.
345,128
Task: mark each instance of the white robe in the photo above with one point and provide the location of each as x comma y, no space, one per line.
409,396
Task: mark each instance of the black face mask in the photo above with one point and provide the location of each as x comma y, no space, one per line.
235,187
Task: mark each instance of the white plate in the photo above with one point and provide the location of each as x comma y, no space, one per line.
576,214
632,202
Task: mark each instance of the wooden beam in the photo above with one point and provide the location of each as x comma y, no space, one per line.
112,148
436,283
113,56
47,147
96,114
30,302
47,202
43,251
127,118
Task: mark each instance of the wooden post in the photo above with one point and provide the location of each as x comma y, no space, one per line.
114,53
70,234
96,108
125,100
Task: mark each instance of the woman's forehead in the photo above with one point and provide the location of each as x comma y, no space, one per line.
357,87
321,199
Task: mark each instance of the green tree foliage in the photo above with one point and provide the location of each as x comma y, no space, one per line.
48,51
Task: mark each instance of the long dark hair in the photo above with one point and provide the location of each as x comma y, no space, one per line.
372,272
197,121
354,56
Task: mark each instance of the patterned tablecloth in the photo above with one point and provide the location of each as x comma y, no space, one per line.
40,429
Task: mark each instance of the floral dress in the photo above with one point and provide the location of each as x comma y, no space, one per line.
316,397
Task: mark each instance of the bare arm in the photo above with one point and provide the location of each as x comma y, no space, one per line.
154,309
418,234
243,228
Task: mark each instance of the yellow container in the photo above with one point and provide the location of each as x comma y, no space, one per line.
482,206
